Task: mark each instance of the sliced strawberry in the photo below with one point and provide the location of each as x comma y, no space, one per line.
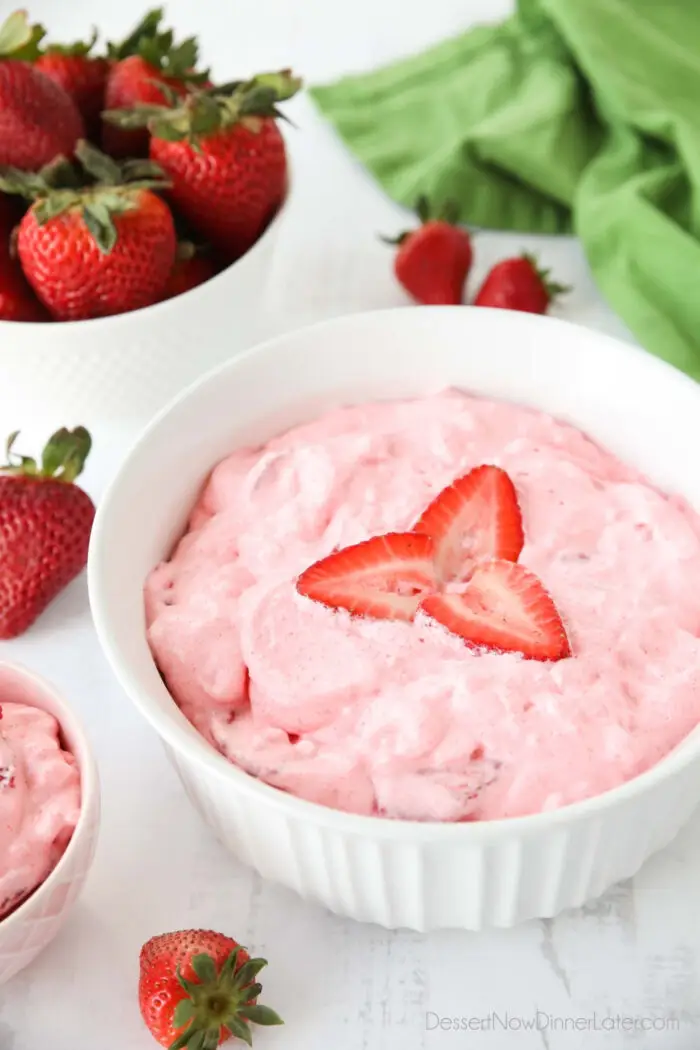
385,577
475,517
506,608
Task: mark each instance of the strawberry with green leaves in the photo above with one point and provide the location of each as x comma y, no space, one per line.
81,74
148,59
433,261
96,241
38,118
197,988
223,154
45,524
519,284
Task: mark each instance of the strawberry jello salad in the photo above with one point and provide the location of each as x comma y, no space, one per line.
444,609
39,801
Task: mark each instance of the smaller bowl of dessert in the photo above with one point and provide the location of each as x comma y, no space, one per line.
49,815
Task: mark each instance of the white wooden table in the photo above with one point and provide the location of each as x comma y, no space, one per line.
622,973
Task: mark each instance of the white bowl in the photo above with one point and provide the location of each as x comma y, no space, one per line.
28,930
123,369
399,874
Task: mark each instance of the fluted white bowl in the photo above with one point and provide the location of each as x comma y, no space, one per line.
123,369
398,873
31,927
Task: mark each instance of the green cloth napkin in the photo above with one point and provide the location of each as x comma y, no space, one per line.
573,116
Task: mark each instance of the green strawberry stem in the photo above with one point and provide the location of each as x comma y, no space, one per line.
210,110
220,999
20,39
63,458
552,288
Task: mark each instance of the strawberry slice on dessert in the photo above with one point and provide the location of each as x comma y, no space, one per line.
385,577
505,608
475,517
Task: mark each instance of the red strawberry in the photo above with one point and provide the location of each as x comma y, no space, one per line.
433,262
384,577
224,155
504,607
38,119
518,284
82,75
197,987
103,248
190,269
45,523
17,301
146,59
475,517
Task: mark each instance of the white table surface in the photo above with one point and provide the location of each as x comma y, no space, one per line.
632,955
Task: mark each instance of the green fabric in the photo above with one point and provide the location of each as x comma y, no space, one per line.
573,116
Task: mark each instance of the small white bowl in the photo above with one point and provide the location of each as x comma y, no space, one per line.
398,873
31,927
123,369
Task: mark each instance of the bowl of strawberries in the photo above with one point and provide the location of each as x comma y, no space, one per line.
139,205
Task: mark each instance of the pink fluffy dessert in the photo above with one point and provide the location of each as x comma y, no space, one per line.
402,719
39,801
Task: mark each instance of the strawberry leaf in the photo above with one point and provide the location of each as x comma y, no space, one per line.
103,168
249,971
19,39
80,47
262,1015
184,1012
241,1030
203,966
423,208
145,29
99,222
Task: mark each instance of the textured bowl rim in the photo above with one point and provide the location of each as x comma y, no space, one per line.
178,734
95,324
89,785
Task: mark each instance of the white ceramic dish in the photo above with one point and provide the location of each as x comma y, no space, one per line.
123,369
422,876
28,930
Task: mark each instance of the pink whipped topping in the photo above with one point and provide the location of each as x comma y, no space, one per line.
402,719
39,801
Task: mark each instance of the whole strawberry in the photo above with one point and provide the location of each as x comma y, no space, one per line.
96,242
519,284
432,262
81,74
45,523
17,301
140,65
38,119
190,269
197,988
224,156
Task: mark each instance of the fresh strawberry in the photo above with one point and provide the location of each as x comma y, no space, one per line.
17,300
197,987
191,268
141,64
505,608
475,517
38,119
384,577
45,523
433,262
82,75
101,248
224,155
519,284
